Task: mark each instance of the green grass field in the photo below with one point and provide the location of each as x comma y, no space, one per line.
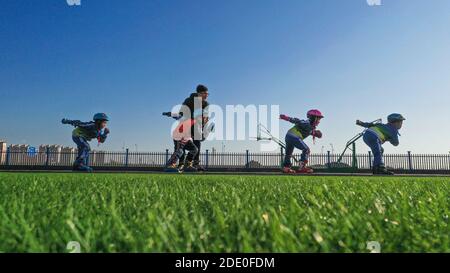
206,213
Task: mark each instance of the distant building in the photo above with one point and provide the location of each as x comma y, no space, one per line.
54,153
3,148
254,165
18,148
97,158
18,154
68,156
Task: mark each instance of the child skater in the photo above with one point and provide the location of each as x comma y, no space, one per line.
85,132
183,142
377,134
295,139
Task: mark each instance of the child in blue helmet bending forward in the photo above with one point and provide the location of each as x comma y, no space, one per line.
377,134
85,132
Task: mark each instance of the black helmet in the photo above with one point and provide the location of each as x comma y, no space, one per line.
101,117
395,117
201,88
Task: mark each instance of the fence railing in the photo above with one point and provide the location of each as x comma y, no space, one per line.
245,160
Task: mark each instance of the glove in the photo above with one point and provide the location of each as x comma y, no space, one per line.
64,121
284,117
106,131
358,122
318,134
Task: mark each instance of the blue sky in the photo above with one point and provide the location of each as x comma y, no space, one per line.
136,59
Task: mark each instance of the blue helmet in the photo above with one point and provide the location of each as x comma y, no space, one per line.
395,117
101,117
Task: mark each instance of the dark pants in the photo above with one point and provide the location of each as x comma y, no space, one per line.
179,151
292,142
83,151
374,143
194,158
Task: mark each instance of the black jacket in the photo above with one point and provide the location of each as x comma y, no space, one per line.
190,103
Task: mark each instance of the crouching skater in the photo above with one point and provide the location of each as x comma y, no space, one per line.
295,139
85,132
377,134
184,142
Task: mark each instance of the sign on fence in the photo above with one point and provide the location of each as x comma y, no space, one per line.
31,151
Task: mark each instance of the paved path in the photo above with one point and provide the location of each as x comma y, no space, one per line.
229,173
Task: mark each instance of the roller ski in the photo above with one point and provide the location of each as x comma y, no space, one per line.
382,170
288,170
190,168
303,169
82,168
173,168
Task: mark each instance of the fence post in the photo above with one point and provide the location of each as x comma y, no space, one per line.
329,159
281,157
247,159
370,160
410,161
207,159
8,156
127,153
47,154
355,159
449,161
167,156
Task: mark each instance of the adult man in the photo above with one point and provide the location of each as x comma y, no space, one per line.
197,105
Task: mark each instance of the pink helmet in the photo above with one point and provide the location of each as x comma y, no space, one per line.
314,113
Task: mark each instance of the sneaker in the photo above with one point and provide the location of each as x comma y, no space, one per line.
381,170
288,170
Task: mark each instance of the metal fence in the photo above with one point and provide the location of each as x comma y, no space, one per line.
223,161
